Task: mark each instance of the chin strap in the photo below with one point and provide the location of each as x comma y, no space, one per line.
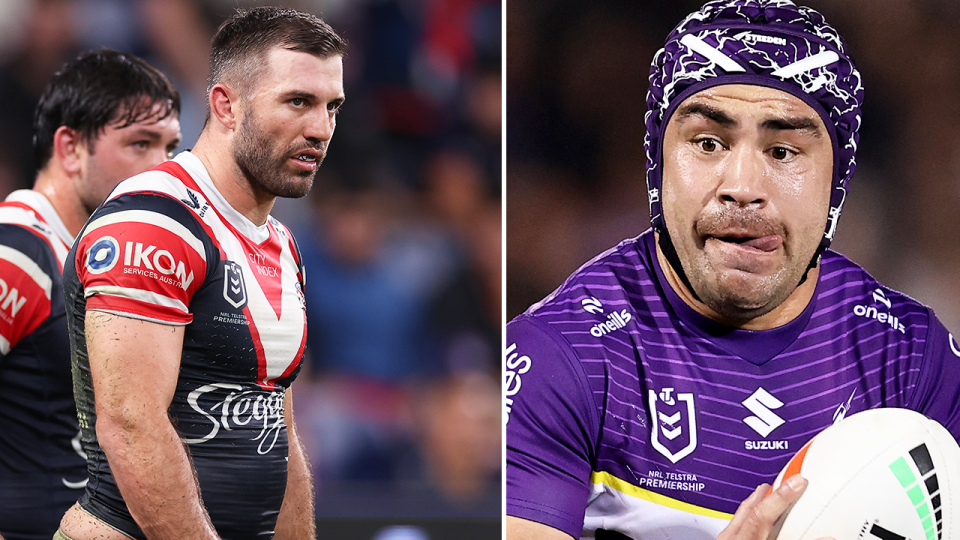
813,264
670,252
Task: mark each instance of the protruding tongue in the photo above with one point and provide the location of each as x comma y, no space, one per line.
764,243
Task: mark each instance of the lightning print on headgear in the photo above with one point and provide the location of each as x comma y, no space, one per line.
772,43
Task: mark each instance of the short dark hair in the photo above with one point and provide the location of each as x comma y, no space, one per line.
96,89
244,39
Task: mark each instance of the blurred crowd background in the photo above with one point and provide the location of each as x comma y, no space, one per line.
576,82
398,402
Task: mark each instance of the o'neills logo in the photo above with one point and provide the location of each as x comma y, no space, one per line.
871,312
615,321
240,409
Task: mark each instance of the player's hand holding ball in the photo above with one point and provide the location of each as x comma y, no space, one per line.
757,516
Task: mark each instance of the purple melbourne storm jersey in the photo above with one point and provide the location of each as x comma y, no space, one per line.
167,247
42,470
628,411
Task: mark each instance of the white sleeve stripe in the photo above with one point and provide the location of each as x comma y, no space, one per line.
136,294
150,218
139,317
809,63
4,346
17,215
717,57
29,266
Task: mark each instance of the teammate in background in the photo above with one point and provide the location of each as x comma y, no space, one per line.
104,117
186,312
660,384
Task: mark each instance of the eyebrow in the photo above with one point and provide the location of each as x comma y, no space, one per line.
798,123
299,94
708,112
152,135
144,132
311,96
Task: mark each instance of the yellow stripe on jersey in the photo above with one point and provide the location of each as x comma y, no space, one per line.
629,489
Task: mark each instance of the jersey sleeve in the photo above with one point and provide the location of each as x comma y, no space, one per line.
142,256
552,425
938,390
26,283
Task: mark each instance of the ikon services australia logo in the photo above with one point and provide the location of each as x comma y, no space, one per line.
138,258
103,255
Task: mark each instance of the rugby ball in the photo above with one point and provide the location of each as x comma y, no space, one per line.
888,474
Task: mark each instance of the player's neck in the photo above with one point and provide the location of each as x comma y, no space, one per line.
790,309
58,188
239,192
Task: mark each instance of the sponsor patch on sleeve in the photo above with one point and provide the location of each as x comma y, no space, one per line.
516,364
141,263
25,290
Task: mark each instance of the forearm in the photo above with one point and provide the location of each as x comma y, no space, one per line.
297,520
522,529
155,477
134,365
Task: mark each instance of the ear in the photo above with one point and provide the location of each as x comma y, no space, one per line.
223,105
66,149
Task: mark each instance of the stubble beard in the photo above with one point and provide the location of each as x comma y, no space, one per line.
737,295
263,168
733,293
98,183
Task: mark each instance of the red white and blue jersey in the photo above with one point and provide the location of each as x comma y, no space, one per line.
631,415
166,247
42,471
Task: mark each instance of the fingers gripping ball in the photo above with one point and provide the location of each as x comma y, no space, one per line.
888,474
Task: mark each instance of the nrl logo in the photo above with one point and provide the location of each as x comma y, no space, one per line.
233,288
674,429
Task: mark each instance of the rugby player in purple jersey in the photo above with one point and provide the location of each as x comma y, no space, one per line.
663,385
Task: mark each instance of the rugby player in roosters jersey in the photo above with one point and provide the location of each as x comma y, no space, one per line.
660,388
104,116
186,308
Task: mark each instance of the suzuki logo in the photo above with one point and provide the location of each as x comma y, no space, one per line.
592,305
764,420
